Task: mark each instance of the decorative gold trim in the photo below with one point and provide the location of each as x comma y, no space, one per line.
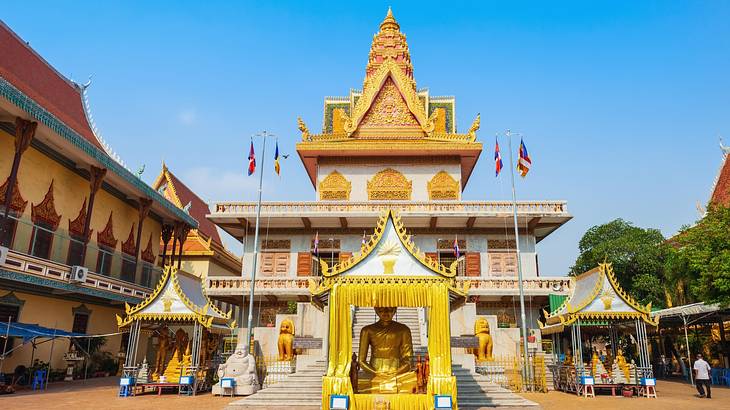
371,244
371,88
389,184
443,187
334,187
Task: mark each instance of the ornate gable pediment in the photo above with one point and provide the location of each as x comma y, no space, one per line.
443,187
334,187
17,203
76,227
389,184
106,236
148,254
128,246
396,96
45,212
389,252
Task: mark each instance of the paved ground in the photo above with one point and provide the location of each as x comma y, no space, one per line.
672,396
101,394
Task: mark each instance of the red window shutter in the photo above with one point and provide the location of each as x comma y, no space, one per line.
345,256
473,264
304,264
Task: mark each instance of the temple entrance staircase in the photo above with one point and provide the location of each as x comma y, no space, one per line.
303,389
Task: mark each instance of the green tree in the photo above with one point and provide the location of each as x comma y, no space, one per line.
705,249
638,256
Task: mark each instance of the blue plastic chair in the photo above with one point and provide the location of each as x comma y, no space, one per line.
716,375
726,377
39,379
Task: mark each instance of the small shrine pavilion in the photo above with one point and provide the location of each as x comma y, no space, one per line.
598,305
389,272
177,306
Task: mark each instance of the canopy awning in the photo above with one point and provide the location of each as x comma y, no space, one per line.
29,331
596,298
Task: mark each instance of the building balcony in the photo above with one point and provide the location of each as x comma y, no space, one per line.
44,258
537,217
226,287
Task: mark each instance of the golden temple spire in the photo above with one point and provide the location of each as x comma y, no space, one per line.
389,43
389,23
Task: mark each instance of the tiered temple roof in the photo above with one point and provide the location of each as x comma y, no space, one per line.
390,116
721,190
204,241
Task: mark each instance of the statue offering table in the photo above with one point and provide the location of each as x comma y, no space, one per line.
391,348
241,367
481,330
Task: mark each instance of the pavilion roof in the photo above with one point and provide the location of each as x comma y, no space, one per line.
596,295
178,297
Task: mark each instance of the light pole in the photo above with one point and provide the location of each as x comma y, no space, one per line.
263,135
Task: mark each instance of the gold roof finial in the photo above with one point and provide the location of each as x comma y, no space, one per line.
389,23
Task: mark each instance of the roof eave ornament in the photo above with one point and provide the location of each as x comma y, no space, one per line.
475,127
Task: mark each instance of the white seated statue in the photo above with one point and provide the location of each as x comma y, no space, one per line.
241,367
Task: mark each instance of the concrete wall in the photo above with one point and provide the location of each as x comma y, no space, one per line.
426,242
418,174
34,177
58,313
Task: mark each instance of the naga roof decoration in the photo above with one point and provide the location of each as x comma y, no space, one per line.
596,295
389,257
178,297
390,109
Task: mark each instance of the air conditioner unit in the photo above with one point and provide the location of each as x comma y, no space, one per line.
78,274
3,254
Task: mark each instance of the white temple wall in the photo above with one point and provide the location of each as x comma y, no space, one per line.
426,242
418,174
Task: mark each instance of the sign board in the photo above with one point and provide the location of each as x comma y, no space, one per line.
339,402
465,342
228,382
442,402
587,381
126,381
186,380
648,382
307,343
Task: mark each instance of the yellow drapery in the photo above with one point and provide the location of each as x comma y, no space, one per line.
370,292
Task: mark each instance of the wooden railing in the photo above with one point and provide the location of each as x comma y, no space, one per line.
406,207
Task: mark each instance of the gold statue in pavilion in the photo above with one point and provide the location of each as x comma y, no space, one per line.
162,350
481,330
391,348
286,340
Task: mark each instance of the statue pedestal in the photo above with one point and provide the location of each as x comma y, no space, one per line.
238,390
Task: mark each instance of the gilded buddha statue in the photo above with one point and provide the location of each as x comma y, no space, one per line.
391,348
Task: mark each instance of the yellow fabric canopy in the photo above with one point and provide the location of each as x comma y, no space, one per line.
366,292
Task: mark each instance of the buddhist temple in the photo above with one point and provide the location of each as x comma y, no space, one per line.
390,148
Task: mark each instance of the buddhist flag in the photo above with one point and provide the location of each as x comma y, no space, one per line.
524,163
277,167
497,158
251,160
456,247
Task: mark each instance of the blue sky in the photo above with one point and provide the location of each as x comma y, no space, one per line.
621,103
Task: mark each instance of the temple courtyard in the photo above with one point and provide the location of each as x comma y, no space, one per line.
102,394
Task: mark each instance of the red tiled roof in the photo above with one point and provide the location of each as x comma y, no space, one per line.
198,208
721,193
31,74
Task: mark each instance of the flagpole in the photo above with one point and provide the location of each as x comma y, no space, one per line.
264,134
519,265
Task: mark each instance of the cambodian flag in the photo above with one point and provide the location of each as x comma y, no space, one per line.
251,160
316,243
524,163
456,247
497,158
364,241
